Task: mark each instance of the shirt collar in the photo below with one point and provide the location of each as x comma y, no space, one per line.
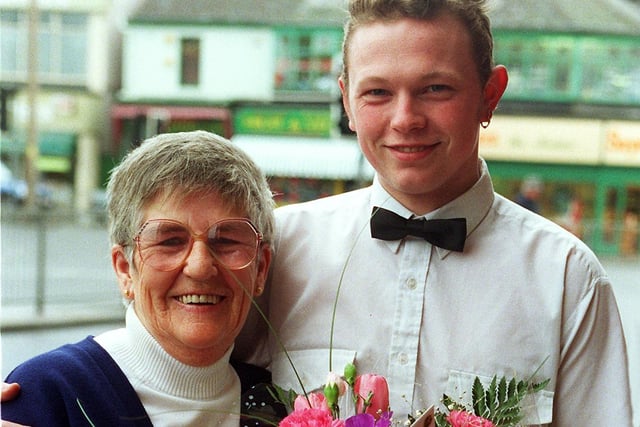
473,205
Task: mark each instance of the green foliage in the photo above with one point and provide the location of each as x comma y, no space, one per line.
499,402
286,397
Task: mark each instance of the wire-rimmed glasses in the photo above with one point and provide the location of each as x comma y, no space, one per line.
165,244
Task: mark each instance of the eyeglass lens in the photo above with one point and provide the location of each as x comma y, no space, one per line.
165,244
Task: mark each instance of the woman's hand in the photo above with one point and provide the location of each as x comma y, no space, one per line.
9,392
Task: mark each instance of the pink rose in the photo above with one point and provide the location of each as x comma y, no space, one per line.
466,419
309,417
374,389
316,400
336,379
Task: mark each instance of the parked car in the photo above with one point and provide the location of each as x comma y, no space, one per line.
16,190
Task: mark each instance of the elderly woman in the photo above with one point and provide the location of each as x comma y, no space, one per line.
191,221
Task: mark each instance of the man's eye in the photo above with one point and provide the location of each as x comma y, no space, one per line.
377,92
437,88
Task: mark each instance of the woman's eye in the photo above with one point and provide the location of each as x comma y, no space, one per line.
173,241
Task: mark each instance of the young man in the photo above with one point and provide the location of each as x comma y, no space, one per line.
519,294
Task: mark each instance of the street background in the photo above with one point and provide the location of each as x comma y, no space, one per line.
81,295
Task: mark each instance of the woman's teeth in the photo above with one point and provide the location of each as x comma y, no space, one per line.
199,299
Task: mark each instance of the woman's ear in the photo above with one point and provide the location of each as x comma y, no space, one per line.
123,269
494,89
264,262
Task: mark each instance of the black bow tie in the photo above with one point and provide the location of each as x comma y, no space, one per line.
446,233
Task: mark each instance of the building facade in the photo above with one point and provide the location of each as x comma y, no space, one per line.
63,92
264,74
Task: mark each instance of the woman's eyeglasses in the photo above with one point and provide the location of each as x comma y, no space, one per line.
165,244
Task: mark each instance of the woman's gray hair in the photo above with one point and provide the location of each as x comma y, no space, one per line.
185,164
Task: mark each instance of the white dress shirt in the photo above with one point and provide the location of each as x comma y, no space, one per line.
524,293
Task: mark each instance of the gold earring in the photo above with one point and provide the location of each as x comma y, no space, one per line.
127,293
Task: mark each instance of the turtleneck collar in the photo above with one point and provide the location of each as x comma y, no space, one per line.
144,360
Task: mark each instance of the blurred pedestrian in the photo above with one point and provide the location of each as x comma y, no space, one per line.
530,193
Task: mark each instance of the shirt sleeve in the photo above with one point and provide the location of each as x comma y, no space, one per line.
593,379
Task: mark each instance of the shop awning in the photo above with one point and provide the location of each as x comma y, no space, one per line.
56,150
303,157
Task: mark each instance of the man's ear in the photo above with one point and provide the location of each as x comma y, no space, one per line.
123,269
494,89
345,102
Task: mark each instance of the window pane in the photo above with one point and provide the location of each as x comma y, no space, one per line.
9,42
190,72
74,19
8,17
306,60
44,53
74,50
8,49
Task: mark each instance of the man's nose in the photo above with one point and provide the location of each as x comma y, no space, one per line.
408,114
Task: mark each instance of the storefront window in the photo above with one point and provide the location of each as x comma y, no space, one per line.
569,204
289,190
570,68
629,239
307,60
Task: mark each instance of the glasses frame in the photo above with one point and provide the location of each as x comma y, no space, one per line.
201,237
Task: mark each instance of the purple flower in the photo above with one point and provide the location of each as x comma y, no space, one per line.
368,420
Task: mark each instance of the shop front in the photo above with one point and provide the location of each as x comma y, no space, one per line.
588,171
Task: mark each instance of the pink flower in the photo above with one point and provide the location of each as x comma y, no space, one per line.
336,379
317,401
373,389
309,417
338,423
466,419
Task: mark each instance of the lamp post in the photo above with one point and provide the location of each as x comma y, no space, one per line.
31,147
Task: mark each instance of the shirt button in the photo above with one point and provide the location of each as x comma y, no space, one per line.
403,358
412,283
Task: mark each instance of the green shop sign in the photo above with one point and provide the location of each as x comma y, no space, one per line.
303,122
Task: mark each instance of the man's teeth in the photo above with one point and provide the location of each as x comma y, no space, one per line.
199,299
410,149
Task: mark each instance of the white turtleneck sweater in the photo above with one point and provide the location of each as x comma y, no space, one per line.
173,394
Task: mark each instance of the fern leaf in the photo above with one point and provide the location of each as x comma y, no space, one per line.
478,397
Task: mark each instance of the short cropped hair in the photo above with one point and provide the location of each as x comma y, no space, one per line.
472,13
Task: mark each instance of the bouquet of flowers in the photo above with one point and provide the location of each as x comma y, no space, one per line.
368,393
495,405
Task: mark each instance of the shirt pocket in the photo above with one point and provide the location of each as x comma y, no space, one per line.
312,367
537,408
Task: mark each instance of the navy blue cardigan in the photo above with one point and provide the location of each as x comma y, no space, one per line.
79,382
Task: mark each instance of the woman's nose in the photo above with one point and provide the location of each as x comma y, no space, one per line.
200,262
